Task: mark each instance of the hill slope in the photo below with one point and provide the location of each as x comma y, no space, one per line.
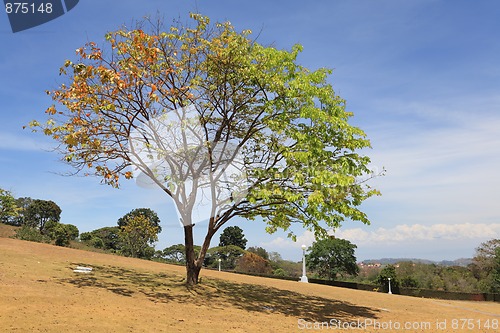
40,292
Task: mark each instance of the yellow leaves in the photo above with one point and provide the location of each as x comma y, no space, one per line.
51,110
71,139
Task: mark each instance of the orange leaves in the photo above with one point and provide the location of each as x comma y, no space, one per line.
128,175
152,94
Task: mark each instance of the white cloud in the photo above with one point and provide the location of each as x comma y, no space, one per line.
414,238
418,232
280,243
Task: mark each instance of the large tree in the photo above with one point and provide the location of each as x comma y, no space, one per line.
39,212
484,262
233,236
22,203
226,127
148,213
8,208
332,256
137,234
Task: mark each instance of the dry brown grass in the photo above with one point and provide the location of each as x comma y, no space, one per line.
7,230
39,292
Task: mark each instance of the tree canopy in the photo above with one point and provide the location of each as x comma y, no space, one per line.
8,208
137,234
39,212
233,236
210,115
148,213
332,256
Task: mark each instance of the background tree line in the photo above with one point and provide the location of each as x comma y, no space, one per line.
330,258
482,275
39,220
133,236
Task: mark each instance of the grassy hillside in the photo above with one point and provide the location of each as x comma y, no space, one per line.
39,292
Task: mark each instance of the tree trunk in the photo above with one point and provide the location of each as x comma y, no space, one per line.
193,266
193,271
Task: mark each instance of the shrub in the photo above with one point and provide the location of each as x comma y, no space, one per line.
31,234
279,272
61,235
85,236
73,231
96,242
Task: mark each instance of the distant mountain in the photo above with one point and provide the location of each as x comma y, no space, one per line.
392,261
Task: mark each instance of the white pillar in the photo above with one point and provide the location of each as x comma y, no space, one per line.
390,291
304,277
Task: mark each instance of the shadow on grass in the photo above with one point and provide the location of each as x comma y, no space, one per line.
251,297
216,293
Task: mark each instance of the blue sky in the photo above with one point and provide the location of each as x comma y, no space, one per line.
422,78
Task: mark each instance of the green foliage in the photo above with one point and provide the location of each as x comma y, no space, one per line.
484,263
284,267
40,212
233,236
22,203
259,251
280,272
495,286
85,236
137,233
332,256
60,233
228,254
409,282
388,272
73,231
138,229
8,208
31,234
106,238
98,243
109,237
175,253
150,214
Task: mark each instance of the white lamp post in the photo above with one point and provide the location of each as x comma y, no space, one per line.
304,277
219,263
390,292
